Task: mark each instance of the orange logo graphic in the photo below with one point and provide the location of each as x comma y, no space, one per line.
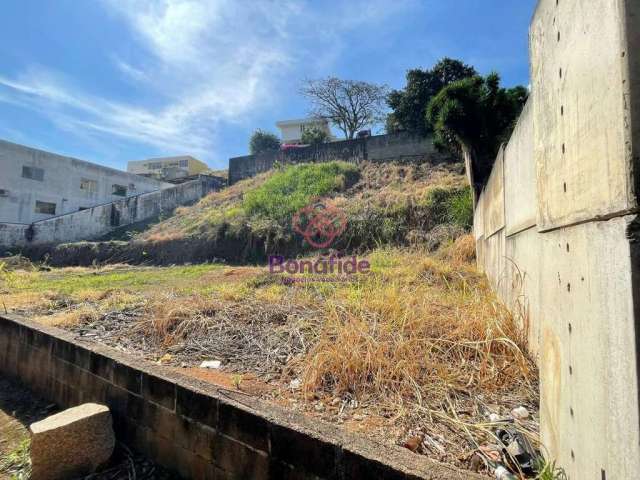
320,224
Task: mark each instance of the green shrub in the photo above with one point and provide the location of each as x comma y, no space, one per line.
296,186
451,205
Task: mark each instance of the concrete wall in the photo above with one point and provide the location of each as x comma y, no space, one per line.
400,147
60,184
97,221
557,232
195,429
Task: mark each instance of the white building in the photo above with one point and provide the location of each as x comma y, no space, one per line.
35,185
168,168
291,130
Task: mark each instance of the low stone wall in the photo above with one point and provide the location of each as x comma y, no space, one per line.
195,429
98,221
399,146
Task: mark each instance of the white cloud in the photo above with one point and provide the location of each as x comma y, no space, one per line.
201,62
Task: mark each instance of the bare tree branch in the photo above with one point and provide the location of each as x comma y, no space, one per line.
349,105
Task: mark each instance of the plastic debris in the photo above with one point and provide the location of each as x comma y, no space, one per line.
295,384
518,451
504,474
214,364
520,413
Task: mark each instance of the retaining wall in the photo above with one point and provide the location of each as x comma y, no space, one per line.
98,221
192,428
399,146
557,232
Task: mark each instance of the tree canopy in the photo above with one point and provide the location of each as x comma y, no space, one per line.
348,104
477,115
262,141
409,105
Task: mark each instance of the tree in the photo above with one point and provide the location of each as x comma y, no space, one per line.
350,105
262,141
475,115
409,106
314,136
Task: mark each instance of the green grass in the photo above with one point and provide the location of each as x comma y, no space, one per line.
17,463
70,282
452,205
296,186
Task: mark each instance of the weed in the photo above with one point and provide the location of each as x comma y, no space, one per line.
549,471
17,463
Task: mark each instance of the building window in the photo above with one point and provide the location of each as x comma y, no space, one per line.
4,193
90,186
45,207
154,166
33,173
184,163
119,190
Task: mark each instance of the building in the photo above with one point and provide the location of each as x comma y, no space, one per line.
291,130
168,168
36,185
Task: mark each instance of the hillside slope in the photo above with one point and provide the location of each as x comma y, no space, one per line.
385,204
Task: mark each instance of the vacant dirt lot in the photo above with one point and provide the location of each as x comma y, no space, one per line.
417,352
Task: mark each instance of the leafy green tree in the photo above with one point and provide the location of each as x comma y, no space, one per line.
314,136
262,141
409,105
475,115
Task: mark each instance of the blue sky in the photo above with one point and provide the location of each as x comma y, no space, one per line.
116,80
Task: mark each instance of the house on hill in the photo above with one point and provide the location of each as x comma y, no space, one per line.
291,130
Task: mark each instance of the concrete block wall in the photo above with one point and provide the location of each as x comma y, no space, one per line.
97,221
195,429
378,148
556,230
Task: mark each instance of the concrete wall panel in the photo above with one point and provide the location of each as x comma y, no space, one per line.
589,388
493,216
521,292
494,261
520,175
478,218
578,108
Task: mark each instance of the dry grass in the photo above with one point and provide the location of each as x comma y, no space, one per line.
421,342
463,250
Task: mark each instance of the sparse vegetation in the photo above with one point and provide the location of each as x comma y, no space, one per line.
386,204
421,344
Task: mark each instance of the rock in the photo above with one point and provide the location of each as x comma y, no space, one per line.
319,407
214,364
413,443
520,413
494,418
72,443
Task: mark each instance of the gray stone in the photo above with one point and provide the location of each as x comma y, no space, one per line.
71,443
